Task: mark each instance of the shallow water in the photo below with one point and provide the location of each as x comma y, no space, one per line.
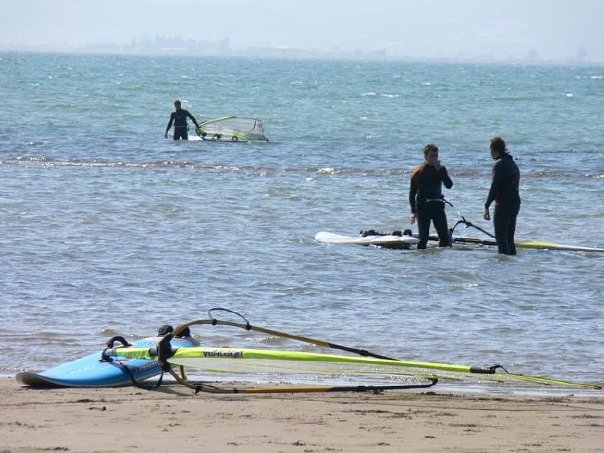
109,228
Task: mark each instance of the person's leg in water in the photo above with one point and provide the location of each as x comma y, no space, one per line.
512,229
502,221
180,133
440,223
423,226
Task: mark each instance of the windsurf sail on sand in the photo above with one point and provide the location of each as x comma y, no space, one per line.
232,128
260,370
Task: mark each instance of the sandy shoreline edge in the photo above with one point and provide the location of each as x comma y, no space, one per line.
172,417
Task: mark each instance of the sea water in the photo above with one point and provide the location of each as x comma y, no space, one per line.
108,228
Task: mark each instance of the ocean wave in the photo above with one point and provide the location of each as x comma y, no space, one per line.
270,170
384,95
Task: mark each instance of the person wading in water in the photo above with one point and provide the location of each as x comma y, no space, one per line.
179,119
505,192
426,198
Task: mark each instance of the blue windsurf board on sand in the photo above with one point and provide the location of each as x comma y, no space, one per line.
91,371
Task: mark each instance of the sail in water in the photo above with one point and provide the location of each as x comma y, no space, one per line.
232,128
536,245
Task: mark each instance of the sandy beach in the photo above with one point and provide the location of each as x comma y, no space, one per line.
173,418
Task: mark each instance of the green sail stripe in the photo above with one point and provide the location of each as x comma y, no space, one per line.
554,246
245,353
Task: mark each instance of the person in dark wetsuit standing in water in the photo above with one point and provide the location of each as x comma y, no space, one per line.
426,198
505,192
179,119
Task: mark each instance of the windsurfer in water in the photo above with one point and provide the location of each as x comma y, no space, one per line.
179,119
426,198
505,192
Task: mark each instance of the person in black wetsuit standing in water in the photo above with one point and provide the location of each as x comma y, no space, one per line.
179,119
505,192
426,198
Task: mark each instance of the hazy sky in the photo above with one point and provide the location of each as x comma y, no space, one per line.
503,29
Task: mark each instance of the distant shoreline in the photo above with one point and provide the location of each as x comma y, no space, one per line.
277,54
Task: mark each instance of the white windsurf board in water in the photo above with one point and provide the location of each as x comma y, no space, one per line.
387,241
